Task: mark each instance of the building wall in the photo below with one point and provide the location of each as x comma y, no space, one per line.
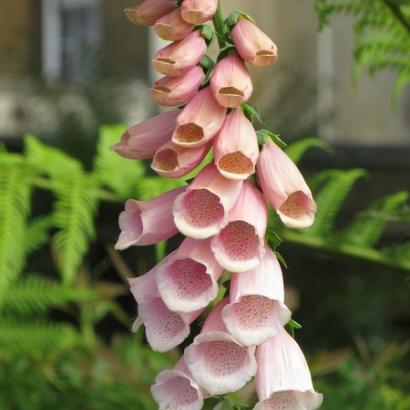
19,37
351,113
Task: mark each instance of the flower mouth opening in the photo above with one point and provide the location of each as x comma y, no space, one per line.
160,89
236,163
177,393
164,60
254,311
188,133
287,399
298,207
189,279
239,241
231,92
265,53
165,161
202,208
164,329
192,16
222,358
133,228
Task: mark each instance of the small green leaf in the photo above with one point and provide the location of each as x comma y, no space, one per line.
292,325
252,113
207,32
235,16
281,259
265,135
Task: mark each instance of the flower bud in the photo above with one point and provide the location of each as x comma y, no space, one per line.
171,91
149,11
231,83
171,27
252,44
198,11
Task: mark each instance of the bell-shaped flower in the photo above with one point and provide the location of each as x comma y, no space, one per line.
172,27
217,361
231,83
283,380
177,58
285,188
198,11
177,389
174,161
189,279
203,209
148,222
239,246
142,140
164,329
199,121
149,11
171,91
252,44
256,310
236,148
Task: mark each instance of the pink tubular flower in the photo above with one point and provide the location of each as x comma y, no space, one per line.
203,209
177,389
285,188
148,222
189,279
171,91
231,83
198,11
142,140
199,121
236,147
173,161
164,329
256,309
149,11
179,57
283,379
218,363
252,44
239,246
171,27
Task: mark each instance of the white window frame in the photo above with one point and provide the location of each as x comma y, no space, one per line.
52,68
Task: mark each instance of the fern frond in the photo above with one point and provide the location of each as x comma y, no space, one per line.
382,30
113,171
15,191
35,339
34,294
366,230
399,253
37,233
330,199
75,209
50,161
150,187
298,149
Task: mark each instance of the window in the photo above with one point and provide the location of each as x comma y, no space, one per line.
71,39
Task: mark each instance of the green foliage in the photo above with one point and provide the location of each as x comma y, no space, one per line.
33,294
382,29
15,189
74,214
360,238
111,170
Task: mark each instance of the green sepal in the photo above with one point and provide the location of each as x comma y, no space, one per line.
252,113
235,16
265,135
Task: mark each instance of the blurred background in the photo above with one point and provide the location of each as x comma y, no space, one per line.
69,67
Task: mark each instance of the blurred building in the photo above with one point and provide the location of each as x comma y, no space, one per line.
76,43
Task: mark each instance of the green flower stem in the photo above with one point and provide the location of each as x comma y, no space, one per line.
368,255
219,24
